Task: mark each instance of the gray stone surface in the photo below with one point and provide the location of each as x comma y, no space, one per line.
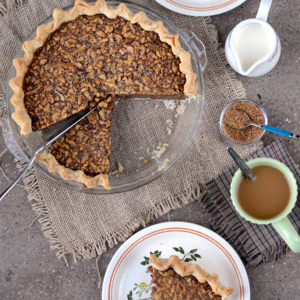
30,270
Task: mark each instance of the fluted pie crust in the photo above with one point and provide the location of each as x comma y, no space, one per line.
81,8
189,269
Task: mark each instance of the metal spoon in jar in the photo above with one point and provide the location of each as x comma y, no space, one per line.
239,119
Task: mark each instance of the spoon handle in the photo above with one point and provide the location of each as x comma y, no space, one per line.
247,172
280,131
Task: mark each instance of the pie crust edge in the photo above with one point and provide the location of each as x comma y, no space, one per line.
60,16
185,269
53,166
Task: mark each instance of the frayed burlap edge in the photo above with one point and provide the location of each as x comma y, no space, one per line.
174,201
10,5
3,111
89,251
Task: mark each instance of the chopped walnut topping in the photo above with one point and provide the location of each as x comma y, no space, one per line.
92,54
169,285
86,146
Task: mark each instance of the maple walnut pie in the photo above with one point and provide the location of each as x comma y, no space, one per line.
86,54
174,279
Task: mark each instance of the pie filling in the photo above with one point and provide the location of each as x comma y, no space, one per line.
86,146
174,279
168,285
85,60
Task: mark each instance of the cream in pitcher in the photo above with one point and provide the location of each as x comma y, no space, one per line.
252,43
252,47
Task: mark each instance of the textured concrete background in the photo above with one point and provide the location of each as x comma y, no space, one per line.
30,270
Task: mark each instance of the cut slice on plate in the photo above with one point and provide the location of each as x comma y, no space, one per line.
173,279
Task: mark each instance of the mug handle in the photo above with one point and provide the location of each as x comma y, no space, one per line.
263,10
288,232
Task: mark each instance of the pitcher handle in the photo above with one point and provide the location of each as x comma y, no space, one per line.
288,232
263,10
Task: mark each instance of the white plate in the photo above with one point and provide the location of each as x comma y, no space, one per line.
127,278
200,7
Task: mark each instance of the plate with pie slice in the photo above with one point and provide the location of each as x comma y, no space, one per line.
200,8
176,259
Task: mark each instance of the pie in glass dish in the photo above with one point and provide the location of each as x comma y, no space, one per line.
174,279
93,53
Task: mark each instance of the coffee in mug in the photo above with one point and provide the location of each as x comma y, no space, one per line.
269,199
266,196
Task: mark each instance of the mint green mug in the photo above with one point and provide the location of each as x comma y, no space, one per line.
280,222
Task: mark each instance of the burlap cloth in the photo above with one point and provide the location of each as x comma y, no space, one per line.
85,225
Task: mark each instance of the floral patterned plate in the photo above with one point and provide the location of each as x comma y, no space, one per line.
127,276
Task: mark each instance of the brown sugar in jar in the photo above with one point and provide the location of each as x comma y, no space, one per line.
248,134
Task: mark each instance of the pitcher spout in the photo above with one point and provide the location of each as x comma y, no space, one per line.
253,69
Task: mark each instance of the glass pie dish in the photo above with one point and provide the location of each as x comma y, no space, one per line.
165,128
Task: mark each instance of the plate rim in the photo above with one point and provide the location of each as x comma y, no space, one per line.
174,224
205,11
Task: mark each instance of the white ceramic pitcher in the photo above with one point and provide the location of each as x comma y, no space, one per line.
253,48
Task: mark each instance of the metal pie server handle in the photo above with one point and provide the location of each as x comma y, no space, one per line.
42,148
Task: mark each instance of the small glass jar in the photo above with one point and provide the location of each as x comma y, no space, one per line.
232,141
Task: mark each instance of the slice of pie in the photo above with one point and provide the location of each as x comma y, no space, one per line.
84,147
174,279
86,53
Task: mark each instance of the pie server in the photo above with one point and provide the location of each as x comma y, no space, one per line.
56,135
52,138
